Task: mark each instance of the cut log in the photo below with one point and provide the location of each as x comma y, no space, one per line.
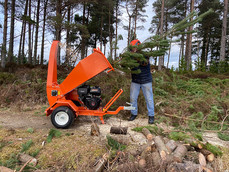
162,149
179,153
142,163
101,164
166,140
156,159
171,145
119,130
125,140
209,156
5,169
24,158
95,129
147,134
202,160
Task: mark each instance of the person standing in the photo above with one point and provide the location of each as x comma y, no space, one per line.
142,80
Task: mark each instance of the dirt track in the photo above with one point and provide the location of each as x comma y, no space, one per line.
28,119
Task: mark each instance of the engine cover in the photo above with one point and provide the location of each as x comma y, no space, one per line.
92,103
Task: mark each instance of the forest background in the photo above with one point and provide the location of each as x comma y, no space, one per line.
29,27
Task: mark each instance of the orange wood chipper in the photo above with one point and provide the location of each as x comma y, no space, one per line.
72,98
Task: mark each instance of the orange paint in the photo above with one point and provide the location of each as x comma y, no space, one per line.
65,94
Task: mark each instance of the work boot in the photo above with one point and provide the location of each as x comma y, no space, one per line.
151,119
132,117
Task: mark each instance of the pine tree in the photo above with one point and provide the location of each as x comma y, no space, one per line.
155,45
3,62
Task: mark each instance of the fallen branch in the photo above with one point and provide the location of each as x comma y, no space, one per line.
186,118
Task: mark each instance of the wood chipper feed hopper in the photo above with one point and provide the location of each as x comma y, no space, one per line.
71,98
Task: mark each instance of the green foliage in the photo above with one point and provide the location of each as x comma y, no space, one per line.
2,144
215,150
223,136
182,65
114,144
53,133
35,153
6,78
152,128
30,130
178,136
11,162
26,146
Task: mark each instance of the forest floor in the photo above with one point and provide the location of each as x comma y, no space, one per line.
196,98
36,120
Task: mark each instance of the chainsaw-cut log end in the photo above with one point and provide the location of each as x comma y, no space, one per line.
211,157
119,130
147,134
142,163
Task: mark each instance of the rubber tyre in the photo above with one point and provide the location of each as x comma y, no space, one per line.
62,117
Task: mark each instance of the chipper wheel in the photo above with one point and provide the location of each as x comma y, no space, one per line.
62,117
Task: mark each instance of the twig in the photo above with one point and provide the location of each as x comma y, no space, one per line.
24,165
227,114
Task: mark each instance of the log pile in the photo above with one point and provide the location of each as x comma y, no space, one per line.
162,154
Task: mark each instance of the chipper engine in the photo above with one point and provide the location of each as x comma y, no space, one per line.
72,97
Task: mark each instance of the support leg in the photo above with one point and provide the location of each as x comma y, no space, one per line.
101,118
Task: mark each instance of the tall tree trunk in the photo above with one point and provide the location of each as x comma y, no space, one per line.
30,38
116,28
36,34
101,31
224,32
67,37
135,19
129,30
23,36
11,43
161,58
3,62
32,35
58,27
20,43
43,32
188,50
83,38
110,32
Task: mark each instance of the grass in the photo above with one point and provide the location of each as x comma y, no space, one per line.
194,95
68,152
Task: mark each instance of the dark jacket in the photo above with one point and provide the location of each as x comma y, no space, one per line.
143,77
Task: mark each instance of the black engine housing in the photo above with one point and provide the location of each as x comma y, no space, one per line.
90,96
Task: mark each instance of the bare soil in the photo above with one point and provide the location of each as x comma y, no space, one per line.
38,120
